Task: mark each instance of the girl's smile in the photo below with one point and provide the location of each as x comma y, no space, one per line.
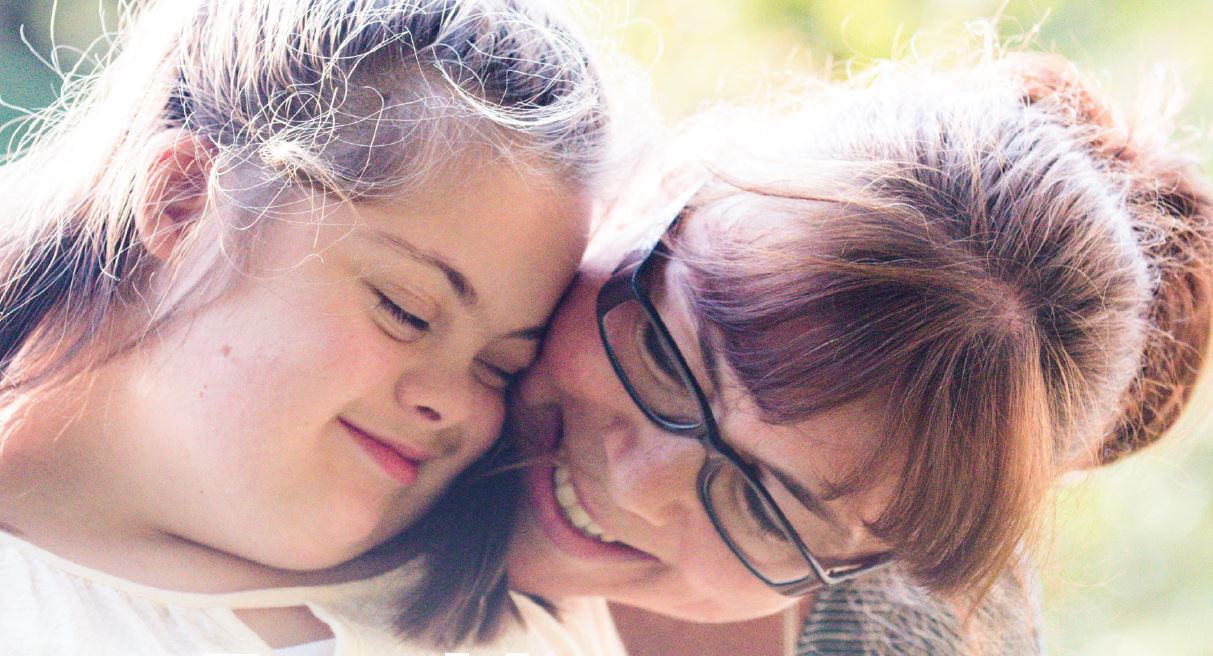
398,460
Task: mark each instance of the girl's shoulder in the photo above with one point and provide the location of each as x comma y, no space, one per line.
49,605
579,626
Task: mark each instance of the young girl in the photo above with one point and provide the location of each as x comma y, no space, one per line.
267,275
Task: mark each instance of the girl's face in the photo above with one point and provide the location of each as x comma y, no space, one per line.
649,541
322,404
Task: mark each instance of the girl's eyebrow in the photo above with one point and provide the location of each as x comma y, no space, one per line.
458,280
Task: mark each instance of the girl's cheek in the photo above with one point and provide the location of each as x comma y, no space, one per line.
354,345
486,423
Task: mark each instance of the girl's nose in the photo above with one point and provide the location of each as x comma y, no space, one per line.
653,474
437,399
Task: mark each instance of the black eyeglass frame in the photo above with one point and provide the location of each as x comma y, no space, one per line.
626,284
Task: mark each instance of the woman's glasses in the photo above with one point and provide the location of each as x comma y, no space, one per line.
657,377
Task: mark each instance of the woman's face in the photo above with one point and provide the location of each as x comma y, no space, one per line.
645,538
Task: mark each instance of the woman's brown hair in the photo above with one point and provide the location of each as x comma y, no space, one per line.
1019,273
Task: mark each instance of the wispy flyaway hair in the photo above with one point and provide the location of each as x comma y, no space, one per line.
360,99
348,101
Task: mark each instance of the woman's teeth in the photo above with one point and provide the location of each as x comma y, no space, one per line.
566,498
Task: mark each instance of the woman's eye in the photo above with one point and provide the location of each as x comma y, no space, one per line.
411,326
761,515
654,371
657,354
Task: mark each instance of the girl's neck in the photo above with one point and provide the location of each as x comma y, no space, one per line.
160,559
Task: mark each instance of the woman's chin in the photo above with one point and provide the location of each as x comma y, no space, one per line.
535,567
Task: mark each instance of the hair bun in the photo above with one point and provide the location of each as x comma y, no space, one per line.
1171,206
1055,84
1045,78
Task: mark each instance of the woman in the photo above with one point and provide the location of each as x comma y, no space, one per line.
875,332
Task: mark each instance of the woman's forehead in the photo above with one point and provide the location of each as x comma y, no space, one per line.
826,455
834,441
713,221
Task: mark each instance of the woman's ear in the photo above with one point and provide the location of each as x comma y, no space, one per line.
175,193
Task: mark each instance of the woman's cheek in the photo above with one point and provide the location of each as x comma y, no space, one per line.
572,353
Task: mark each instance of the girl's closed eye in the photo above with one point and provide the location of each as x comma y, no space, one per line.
502,365
406,326
495,376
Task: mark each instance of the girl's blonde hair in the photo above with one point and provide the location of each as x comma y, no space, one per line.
360,99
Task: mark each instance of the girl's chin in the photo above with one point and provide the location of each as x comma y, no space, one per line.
321,548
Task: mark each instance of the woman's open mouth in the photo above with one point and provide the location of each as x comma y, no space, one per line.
570,505
559,520
561,512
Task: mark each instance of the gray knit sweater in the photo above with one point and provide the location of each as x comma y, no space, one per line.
884,615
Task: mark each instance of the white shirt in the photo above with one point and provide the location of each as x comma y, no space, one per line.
50,606
320,648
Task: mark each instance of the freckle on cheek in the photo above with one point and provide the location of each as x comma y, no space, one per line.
225,350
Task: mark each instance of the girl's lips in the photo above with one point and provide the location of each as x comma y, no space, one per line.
399,462
564,535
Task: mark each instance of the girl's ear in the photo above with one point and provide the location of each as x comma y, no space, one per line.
175,193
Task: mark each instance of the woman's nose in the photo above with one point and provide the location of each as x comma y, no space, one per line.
437,399
653,474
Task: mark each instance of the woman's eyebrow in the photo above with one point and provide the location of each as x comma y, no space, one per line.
807,498
707,351
458,280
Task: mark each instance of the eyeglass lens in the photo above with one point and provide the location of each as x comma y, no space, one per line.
655,376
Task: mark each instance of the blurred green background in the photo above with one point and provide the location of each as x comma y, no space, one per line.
1128,566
